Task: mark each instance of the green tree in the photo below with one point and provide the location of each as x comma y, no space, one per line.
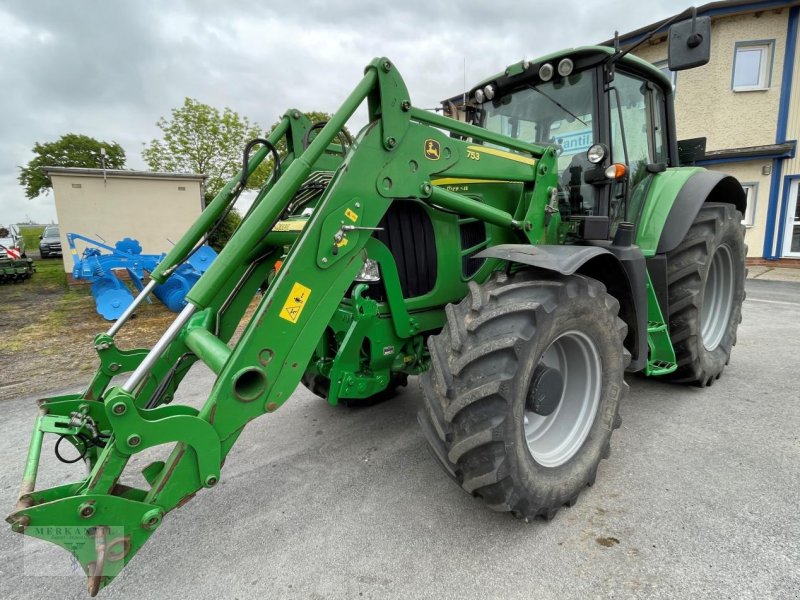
70,150
199,138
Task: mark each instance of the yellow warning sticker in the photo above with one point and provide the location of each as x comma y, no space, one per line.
296,225
295,303
351,215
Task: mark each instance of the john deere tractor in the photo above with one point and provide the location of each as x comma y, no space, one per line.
519,260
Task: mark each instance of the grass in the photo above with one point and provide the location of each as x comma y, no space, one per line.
30,234
48,327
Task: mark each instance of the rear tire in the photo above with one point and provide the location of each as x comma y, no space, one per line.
481,417
705,276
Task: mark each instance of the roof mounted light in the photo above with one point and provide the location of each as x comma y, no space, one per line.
546,72
596,153
565,67
488,91
479,96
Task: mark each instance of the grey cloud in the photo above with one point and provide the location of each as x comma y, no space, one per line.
111,69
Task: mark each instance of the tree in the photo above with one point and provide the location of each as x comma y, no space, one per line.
201,139
70,150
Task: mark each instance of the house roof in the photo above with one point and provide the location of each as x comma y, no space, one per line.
121,173
714,10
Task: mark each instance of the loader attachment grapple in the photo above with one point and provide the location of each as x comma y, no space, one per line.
321,312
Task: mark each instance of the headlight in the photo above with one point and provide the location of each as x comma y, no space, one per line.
488,91
565,67
596,154
479,96
546,72
369,272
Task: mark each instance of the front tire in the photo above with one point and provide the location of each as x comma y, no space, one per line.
524,389
705,277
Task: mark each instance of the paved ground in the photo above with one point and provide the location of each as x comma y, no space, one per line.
774,273
698,500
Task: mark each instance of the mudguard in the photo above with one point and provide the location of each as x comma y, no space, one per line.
620,268
703,186
562,259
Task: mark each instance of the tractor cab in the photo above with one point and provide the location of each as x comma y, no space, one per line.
608,114
610,131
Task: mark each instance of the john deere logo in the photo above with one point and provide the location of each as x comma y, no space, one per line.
432,149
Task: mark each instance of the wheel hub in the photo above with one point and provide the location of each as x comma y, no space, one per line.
545,391
717,298
563,399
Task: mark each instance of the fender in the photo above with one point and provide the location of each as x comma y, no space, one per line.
704,186
673,199
620,268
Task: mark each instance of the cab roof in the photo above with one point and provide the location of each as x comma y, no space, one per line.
580,54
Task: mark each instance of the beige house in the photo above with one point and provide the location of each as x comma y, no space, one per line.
746,103
154,208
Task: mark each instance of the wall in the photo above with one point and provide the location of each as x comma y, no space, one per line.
150,210
706,105
791,166
750,172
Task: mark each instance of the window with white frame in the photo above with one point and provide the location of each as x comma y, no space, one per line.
663,66
752,66
750,195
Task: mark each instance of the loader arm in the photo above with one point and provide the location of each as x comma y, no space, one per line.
395,157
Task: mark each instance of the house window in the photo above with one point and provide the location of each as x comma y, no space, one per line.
663,66
752,66
750,194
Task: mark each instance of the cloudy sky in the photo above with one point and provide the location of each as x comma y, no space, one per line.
111,69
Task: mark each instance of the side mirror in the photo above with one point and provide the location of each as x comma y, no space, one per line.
41,236
689,43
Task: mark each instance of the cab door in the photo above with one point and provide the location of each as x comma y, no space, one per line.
637,118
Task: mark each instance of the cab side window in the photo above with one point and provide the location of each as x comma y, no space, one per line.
638,136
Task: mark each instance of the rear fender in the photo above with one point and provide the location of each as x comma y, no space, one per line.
673,201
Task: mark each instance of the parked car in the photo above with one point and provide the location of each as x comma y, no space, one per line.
51,242
10,240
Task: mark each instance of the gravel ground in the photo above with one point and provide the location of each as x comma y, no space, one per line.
698,500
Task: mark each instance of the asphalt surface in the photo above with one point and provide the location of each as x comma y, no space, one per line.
698,500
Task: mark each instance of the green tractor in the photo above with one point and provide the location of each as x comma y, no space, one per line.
519,259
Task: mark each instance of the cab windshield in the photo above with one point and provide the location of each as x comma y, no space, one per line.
554,112
559,112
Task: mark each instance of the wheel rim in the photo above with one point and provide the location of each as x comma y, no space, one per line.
555,438
717,298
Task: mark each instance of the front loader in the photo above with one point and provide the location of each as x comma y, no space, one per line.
519,263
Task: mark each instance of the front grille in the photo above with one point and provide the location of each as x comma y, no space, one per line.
473,233
408,233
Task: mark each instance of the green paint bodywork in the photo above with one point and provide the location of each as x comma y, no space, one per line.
662,189
311,317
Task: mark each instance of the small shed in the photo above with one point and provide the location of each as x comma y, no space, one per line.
154,208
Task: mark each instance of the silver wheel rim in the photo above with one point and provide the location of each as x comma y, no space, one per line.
717,298
555,438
